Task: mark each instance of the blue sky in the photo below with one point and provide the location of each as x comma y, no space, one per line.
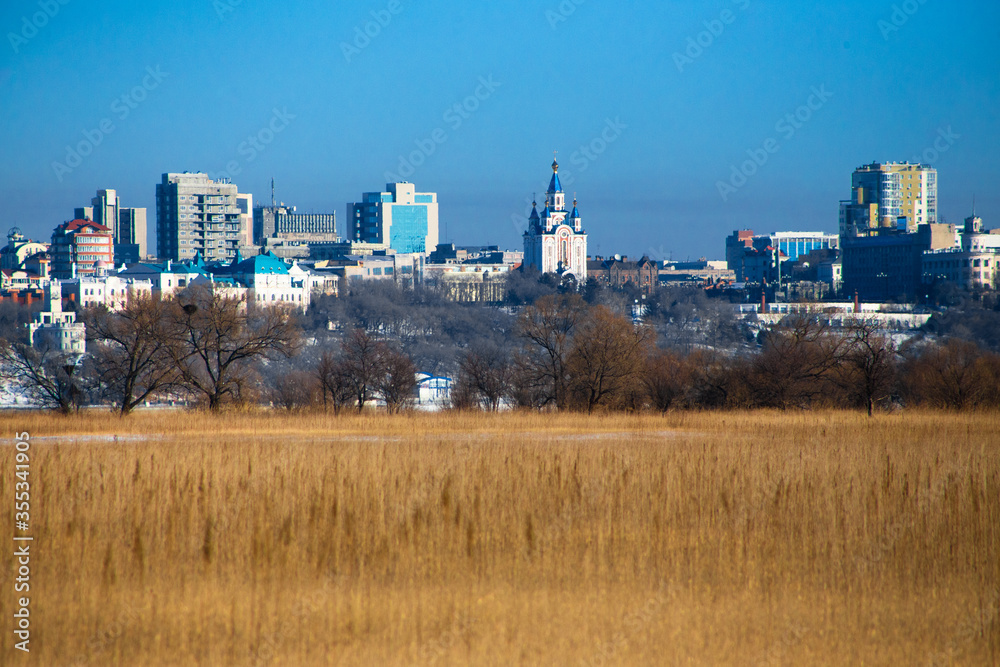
650,105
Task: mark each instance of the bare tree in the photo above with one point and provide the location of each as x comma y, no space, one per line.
363,360
547,329
955,375
131,351
14,319
665,380
868,370
487,372
216,337
49,378
794,367
334,381
607,358
294,390
398,379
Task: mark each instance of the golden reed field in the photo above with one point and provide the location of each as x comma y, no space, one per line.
183,538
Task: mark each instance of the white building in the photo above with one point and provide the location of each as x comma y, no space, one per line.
316,282
56,329
268,281
973,265
19,249
433,392
555,241
111,291
165,279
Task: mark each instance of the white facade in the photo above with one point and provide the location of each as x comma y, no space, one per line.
555,241
433,392
975,264
19,249
165,279
315,282
55,328
244,201
112,292
273,289
268,281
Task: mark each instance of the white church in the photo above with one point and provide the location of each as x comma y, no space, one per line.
555,241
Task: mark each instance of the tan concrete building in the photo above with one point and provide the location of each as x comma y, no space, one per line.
973,265
897,195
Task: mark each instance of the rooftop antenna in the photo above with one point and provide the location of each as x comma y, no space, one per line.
973,204
272,192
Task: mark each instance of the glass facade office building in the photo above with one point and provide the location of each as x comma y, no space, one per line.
405,220
796,244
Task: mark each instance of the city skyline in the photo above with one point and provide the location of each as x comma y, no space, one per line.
678,123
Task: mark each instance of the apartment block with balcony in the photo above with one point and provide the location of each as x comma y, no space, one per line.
196,215
889,195
79,248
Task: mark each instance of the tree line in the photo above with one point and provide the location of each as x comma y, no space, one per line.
567,354
560,350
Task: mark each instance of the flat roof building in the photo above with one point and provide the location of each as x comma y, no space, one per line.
899,195
195,214
890,265
401,218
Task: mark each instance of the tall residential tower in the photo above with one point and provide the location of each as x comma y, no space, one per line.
195,214
899,195
127,225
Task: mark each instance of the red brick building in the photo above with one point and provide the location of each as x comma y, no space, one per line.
618,272
80,244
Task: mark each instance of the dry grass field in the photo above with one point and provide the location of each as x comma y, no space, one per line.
176,538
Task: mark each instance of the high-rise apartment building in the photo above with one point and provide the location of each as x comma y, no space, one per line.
401,218
195,214
106,207
900,195
127,225
245,203
130,237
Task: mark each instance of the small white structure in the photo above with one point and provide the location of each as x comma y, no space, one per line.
433,392
56,329
316,282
